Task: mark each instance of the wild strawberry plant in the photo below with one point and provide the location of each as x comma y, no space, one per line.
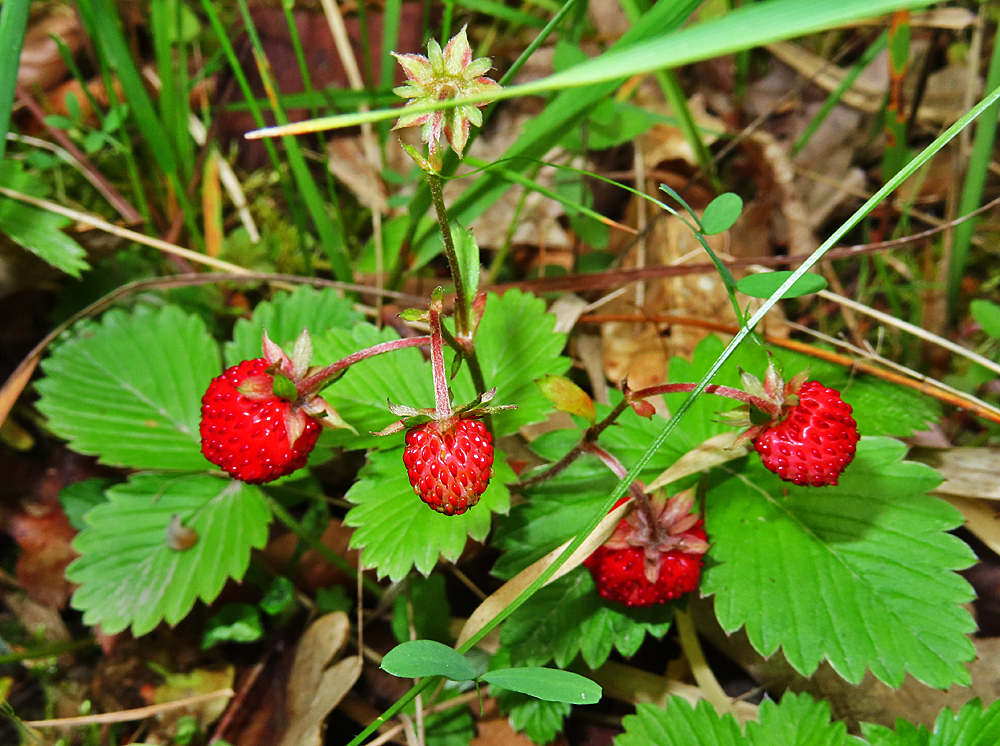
827,548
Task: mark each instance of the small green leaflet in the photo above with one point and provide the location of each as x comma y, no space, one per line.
285,316
764,284
128,390
540,720
549,684
233,623
861,575
721,213
987,315
567,618
796,721
396,531
419,658
467,251
129,576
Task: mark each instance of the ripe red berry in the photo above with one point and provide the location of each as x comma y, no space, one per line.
449,464
248,435
621,574
654,554
814,442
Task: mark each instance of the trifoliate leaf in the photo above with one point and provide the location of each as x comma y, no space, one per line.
540,720
567,618
396,531
797,721
128,390
860,574
550,684
285,316
419,658
128,574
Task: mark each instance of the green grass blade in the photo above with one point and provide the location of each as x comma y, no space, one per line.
13,24
975,180
502,12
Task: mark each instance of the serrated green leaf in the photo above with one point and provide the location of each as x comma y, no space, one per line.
860,574
987,315
567,618
419,658
549,684
40,232
451,727
128,575
764,285
396,531
797,721
721,213
129,389
970,726
538,719
285,316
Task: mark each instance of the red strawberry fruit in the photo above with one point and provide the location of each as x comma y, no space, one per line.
449,465
654,555
260,419
247,436
815,440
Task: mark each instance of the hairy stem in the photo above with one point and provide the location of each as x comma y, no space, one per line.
461,298
320,377
442,403
727,391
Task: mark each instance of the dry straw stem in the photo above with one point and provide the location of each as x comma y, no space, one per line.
124,716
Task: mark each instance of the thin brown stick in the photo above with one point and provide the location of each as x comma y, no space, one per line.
124,716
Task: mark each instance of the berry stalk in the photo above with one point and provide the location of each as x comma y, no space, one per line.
319,379
727,391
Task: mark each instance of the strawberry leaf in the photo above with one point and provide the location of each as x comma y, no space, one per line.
860,575
396,531
285,316
567,618
129,389
796,721
130,575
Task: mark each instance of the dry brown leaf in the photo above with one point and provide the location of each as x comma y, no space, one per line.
313,688
980,518
967,472
45,536
347,161
41,65
513,588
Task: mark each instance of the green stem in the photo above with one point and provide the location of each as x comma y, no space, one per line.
434,182
324,551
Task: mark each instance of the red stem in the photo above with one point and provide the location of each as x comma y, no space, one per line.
442,405
317,379
727,391
635,489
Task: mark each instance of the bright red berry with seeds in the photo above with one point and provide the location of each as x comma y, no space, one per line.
449,466
247,436
260,419
654,555
815,440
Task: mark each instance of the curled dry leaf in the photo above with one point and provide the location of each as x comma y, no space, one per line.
313,688
45,537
